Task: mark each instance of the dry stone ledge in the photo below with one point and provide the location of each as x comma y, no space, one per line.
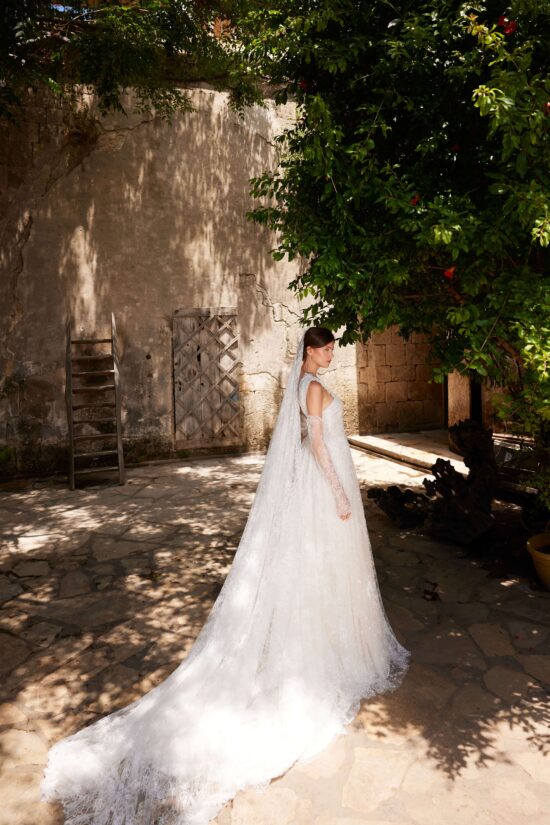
375,776
473,700
44,662
12,716
31,568
13,652
8,589
449,644
91,609
109,549
527,636
538,666
22,749
274,806
41,634
510,685
492,639
75,583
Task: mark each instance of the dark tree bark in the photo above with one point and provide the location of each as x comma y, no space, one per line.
456,508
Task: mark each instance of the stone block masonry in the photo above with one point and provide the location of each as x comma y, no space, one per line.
395,392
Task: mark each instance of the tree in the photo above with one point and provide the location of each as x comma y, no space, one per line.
151,45
415,181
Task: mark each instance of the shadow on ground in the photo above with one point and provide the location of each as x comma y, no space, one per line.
104,590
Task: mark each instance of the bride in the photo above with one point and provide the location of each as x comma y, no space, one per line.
296,638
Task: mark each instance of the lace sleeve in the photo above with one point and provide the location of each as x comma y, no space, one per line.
324,461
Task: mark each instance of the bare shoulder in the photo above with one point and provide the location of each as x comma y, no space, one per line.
314,397
315,391
315,388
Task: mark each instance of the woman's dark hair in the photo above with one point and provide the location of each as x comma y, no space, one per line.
317,337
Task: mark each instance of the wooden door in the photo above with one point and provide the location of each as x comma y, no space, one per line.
206,378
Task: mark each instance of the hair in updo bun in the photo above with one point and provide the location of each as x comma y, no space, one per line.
317,337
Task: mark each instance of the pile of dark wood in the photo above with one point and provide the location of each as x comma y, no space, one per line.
454,507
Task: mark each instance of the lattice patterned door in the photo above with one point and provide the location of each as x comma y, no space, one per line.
206,378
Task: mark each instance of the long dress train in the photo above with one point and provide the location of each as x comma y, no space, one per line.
297,637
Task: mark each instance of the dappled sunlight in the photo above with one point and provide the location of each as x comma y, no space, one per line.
82,516
460,727
138,199
131,512
107,588
82,259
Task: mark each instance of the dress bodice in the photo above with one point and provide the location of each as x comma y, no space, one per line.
333,424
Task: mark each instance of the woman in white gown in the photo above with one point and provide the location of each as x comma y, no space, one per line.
296,638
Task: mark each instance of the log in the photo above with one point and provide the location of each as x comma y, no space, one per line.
405,507
454,508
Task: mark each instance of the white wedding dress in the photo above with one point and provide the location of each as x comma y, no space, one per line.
297,637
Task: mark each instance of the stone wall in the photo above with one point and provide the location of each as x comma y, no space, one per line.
139,217
394,388
142,218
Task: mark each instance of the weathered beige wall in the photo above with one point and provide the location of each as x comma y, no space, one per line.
143,219
394,388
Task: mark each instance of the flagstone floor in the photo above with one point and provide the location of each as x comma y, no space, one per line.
102,591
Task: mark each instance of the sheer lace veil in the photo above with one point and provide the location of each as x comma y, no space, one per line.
102,770
268,516
281,461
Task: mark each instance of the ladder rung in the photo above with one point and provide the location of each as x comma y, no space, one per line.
94,389
92,357
94,455
91,404
95,435
95,470
93,372
91,341
96,420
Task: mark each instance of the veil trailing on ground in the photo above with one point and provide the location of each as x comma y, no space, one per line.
222,720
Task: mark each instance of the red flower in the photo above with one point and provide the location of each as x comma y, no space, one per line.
304,85
449,273
455,147
509,26
414,200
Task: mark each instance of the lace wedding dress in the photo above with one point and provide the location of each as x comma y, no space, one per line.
297,637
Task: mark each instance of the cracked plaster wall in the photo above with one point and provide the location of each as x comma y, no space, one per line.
140,218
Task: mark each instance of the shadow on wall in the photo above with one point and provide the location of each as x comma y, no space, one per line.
151,219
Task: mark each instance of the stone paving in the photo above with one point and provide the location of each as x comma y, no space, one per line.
103,590
418,449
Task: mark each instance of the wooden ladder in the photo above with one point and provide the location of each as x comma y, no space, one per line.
92,391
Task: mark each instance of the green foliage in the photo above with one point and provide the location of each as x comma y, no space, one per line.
415,182
108,45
